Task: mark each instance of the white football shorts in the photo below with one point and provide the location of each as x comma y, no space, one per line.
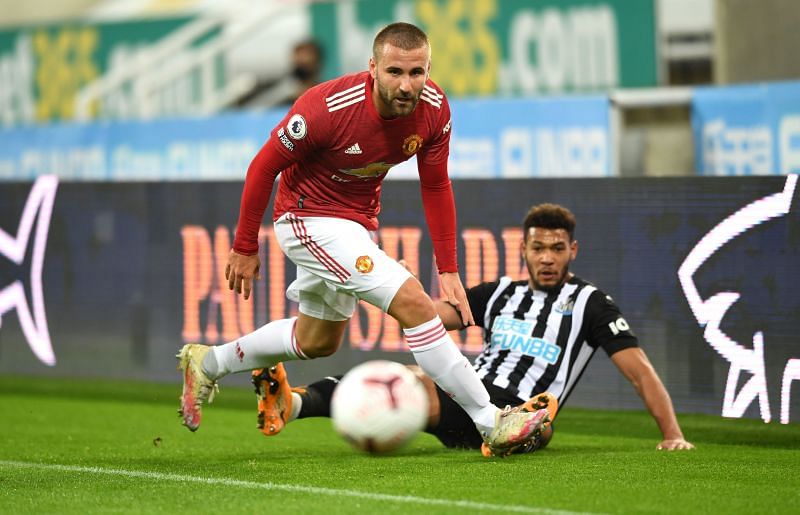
338,263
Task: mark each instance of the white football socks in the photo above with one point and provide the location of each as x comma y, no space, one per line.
270,344
297,403
438,356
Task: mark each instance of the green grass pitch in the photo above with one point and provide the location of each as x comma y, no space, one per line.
72,446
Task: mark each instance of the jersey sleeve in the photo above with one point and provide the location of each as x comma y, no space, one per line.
438,149
297,135
478,297
437,191
605,325
303,130
257,191
440,214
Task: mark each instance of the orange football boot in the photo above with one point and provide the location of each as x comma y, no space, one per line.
544,400
274,398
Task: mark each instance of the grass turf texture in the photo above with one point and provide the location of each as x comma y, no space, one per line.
73,446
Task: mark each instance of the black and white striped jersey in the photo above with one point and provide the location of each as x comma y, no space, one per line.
536,341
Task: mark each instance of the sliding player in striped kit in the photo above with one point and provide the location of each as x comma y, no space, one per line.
332,151
539,335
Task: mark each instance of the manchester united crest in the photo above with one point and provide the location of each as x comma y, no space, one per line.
364,264
412,144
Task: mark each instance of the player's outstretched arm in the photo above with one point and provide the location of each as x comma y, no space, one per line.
243,262
635,366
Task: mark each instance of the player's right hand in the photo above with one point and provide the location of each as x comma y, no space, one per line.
240,272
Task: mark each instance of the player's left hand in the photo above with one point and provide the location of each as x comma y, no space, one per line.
676,444
453,292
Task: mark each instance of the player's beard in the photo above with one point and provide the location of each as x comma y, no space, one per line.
397,110
562,278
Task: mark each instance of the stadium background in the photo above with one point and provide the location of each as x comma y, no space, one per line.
626,113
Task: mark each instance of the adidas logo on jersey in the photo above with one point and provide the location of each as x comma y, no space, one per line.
354,149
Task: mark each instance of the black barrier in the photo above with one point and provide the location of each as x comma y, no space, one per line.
130,271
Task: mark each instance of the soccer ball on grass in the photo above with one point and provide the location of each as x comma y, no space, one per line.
379,406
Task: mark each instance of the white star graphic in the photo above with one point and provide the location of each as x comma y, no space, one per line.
711,311
39,209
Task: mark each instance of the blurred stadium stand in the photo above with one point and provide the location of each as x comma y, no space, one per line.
229,51
756,41
15,14
205,66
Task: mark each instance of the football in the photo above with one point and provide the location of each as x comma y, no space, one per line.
379,406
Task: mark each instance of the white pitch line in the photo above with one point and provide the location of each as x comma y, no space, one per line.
334,492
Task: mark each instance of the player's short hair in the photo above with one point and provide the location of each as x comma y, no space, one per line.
400,34
550,216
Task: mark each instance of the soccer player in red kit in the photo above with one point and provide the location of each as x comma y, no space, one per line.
332,151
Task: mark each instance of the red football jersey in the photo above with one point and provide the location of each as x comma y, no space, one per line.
341,148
